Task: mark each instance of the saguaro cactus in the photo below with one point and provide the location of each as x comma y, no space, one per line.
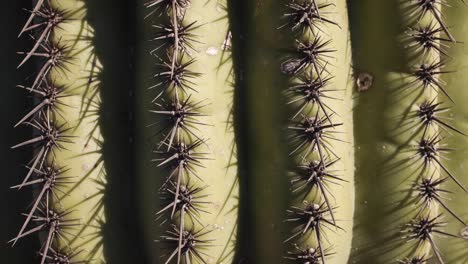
402,156
315,59
321,131
66,171
185,139
272,131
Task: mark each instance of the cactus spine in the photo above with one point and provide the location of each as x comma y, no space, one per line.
188,132
66,171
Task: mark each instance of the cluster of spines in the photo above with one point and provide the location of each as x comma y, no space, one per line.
178,150
432,38
49,136
311,129
309,255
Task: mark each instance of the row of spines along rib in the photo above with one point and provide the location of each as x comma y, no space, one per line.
311,130
428,37
177,151
47,216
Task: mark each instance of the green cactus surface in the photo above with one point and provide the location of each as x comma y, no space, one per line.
234,131
402,153
320,131
66,172
186,136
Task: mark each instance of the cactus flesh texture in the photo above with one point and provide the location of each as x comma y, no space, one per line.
266,131
185,139
66,172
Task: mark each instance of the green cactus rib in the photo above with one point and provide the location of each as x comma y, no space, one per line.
454,248
273,151
66,172
186,143
401,134
320,131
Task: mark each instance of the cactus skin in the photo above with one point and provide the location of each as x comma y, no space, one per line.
389,132
329,195
389,152
369,41
455,249
67,172
202,63
264,147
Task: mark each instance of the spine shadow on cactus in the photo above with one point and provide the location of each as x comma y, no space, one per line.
184,140
263,103
456,17
240,30
259,116
121,232
66,172
403,107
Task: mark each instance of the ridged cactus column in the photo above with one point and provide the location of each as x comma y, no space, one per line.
66,172
320,131
294,117
244,131
185,142
402,172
